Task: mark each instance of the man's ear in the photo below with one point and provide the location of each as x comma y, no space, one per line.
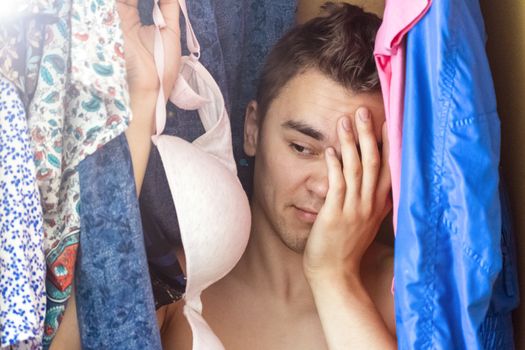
251,129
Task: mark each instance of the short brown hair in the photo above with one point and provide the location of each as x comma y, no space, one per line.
339,43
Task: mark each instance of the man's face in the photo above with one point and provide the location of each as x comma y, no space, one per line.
290,175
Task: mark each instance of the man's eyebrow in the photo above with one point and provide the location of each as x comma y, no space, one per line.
304,129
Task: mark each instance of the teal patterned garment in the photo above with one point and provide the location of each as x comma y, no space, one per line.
66,58
21,44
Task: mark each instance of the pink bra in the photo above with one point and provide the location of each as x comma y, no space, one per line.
212,207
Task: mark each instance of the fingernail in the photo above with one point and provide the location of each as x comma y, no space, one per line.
363,115
330,151
346,124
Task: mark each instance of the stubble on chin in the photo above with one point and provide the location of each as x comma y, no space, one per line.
293,238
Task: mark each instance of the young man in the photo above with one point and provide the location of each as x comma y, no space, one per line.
311,276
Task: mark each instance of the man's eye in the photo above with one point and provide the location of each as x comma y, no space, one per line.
301,149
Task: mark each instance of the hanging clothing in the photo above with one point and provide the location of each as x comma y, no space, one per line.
496,331
113,290
399,17
165,290
79,104
212,208
447,253
235,38
22,264
22,42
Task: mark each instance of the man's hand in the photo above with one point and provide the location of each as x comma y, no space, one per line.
357,201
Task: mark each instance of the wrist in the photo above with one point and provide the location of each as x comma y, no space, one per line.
334,279
143,106
341,272
143,96
349,288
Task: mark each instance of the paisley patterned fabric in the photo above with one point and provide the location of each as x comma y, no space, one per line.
21,43
114,299
79,104
22,264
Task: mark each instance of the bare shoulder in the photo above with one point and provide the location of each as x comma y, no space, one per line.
174,329
377,275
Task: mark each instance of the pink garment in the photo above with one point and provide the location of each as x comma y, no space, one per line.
212,208
399,17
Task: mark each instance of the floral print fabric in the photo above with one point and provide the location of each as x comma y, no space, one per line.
79,104
22,264
21,43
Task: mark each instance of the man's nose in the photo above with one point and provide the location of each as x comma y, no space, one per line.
317,183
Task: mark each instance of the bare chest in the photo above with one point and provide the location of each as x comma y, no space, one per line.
243,323
261,326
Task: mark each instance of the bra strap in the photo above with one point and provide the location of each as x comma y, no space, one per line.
191,40
158,53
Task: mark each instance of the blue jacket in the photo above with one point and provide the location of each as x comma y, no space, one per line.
450,289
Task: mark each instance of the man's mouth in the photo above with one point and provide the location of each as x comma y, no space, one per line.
307,215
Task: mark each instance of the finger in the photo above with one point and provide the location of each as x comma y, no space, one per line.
352,170
384,183
128,15
369,155
170,35
336,183
171,11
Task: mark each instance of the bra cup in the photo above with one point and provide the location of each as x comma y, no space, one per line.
184,97
216,143
196,89
213,211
